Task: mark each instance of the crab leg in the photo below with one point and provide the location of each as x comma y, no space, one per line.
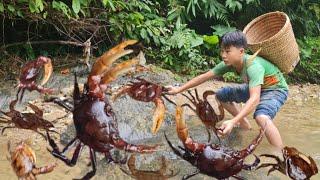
252,166
120,92
93,158
119,143
44,170
253,145
37,111
56,152
158,115
182,132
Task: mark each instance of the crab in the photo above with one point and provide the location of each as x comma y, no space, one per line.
145,91
33,121
94,120
212,159
295,164
29,74
143,174
205,111
23,162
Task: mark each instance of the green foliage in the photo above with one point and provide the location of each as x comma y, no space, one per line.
184,55
232,77
62,7
308,69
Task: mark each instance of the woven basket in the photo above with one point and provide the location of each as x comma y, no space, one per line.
272,32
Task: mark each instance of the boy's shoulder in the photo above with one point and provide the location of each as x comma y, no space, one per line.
258,60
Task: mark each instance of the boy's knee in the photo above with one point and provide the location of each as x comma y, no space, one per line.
262,120
220,95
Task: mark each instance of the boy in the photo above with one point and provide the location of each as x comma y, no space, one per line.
265,88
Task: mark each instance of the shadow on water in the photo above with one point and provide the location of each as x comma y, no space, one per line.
297,121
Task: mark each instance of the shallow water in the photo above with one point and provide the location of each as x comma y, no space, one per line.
297,121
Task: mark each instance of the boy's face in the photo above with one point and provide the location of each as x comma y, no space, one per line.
232,55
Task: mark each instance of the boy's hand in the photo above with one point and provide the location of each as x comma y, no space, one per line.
226,127
173,89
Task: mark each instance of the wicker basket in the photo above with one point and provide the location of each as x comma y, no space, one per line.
272,32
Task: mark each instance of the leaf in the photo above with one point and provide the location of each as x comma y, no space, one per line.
178,23
45,14
11,8
76,6
32,7
143,34
39,5
109,3
196,41
220,30
1,7
20,14
212,40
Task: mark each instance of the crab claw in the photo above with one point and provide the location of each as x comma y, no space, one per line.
106,60
48,69
158,115
181,127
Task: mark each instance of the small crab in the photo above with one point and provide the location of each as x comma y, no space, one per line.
29,74
295,164
23,160
205,111
32,121
146,91
152,175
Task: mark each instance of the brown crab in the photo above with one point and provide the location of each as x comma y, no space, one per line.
205,111
150,175
146,91
212,159
29,74
23,160
95,122
295,164
33,121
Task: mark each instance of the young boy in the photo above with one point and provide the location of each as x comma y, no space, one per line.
265,89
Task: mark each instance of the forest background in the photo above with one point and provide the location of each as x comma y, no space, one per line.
179,35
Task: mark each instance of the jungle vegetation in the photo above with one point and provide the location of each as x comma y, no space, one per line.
180,35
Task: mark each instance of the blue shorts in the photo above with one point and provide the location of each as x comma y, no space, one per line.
270,100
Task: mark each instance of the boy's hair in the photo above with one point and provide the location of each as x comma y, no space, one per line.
235,38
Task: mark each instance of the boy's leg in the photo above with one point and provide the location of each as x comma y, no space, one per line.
272,133
270,103
234,109
229,97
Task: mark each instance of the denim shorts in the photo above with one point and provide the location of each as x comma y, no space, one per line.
270,100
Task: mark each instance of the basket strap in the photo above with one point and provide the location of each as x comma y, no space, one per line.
252,57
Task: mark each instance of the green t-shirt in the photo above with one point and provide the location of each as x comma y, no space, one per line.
257,72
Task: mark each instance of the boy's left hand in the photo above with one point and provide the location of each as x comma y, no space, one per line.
226,127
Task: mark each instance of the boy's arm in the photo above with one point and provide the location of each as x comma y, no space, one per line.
250,105
191,83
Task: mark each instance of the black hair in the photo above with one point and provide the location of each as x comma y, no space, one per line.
236,38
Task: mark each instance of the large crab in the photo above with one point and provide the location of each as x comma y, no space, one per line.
146,91
33,121
144,174
23,160
29,74
212,159
93,117
295,164
205,111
